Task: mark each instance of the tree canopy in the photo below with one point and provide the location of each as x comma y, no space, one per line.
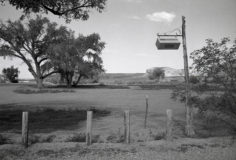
217,62
78,57
47,48
216,65
30,41
156,73
68,9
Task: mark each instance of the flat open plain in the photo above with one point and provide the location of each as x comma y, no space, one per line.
149,143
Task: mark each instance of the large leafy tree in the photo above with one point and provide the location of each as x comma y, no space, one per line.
30,42
68,9
156,73
217,62
80,57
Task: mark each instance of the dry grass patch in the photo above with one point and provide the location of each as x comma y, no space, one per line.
32,90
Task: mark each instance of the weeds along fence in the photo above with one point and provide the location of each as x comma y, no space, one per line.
89,125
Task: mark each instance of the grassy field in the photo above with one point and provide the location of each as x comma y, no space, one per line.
57,119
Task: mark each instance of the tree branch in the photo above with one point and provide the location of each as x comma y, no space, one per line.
57,12
27,49
41,60
50,73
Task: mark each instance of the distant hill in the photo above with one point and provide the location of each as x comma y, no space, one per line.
121,78
123,75
171,72
171,75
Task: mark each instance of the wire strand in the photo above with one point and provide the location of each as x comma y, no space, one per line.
176,29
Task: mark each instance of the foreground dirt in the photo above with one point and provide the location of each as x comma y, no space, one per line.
218,148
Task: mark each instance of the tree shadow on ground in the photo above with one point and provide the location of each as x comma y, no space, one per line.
46,120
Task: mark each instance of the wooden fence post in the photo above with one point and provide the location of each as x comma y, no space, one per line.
146,112
169,125
127,126
89,128
25,128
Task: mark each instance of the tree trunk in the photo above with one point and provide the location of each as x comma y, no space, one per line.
39,83
62,79
38,80
76,83
68,83
69,79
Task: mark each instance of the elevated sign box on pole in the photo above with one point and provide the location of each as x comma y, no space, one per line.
167,43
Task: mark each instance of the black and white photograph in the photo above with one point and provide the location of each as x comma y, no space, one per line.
117,79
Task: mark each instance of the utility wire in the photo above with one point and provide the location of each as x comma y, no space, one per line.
173,30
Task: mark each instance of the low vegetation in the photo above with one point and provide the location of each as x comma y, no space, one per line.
32,90
194,149
3,140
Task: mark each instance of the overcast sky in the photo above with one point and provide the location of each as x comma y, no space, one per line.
129,28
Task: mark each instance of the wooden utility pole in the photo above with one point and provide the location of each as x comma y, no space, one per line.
189,111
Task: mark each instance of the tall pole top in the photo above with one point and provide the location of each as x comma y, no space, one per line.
183,18
183,24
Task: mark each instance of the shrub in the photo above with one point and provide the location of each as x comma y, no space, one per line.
193,80
156,74
11,74
79,137
3,140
